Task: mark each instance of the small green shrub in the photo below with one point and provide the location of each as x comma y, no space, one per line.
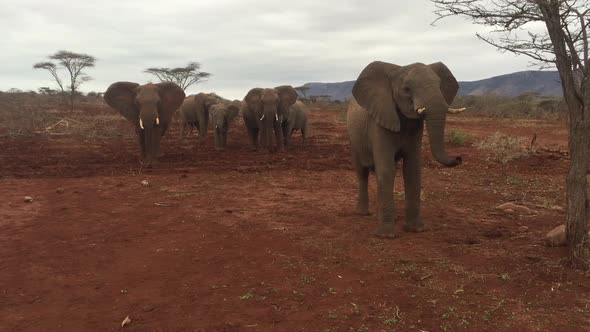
459,138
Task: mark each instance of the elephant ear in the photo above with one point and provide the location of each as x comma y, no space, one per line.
121,97
373,91
287,94
253,99
448,83
171,97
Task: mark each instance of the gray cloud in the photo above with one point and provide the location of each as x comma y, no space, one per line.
242,43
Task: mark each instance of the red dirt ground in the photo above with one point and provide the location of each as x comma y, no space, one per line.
246,241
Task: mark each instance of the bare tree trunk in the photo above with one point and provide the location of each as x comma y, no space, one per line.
579,139
577,210
72,94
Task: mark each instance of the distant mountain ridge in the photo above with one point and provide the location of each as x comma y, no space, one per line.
546,83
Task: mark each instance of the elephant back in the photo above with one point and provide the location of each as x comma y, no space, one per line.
187,110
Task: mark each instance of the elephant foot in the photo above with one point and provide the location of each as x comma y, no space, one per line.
385,231
150,164
362,211
415,228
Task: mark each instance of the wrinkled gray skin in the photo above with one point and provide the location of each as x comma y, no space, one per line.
194,113
385,123
296,119
150,107
264,111
222,115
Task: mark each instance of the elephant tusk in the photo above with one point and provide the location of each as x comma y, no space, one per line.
421,110
141,124
261,118
157,121
455,110
276,117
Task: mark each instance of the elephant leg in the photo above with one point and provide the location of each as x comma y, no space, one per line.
362,206
196,125
279,136
182,130
224,139
202,130
412,188
385,169
286,134
253,135
217,135
304,133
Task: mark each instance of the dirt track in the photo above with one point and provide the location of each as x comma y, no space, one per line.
246,241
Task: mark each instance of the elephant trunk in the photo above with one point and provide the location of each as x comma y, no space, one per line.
150,122
152,144
435,126
269,119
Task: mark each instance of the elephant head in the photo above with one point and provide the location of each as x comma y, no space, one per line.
150,107
222,114
392,94
270,106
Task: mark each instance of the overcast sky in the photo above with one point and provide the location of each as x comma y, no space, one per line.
243,43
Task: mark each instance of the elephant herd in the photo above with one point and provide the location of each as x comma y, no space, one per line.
386,117
272,113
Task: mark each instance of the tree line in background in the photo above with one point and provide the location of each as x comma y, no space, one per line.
73,65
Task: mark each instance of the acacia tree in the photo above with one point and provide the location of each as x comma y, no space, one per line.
303,89
73,63
183,76
551,33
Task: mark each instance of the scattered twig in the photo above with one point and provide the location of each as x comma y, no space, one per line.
397,314
126,321
426,276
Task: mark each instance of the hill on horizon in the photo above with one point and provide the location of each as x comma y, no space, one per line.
545,83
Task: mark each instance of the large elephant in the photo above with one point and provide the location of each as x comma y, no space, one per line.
150,107
296,119
385,122
194,112
222,114
264,110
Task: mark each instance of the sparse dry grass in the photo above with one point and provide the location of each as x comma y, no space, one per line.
502,148
28,115
526,106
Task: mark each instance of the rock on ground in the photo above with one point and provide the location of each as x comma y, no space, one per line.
557,237
511,207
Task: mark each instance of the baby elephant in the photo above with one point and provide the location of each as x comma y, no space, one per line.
296,119
194,113
222,114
